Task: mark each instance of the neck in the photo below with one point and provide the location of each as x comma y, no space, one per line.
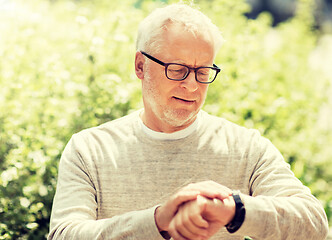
159,125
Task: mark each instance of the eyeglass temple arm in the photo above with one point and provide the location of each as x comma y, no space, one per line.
215,66
153,59
163,64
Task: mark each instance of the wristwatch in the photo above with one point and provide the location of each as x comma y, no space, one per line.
240,213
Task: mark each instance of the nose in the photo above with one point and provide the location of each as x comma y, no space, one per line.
190,82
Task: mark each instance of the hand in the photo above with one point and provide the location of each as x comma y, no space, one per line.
219,213
209,189
201,218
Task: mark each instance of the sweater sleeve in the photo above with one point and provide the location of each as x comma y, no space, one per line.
279,206
74,211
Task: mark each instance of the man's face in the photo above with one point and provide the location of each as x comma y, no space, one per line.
173,105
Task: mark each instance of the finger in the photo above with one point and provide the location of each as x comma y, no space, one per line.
173,232
228,207
213,209
182,197
185,228
223,190
210,189
197,219
200,222
220,211
165,213
189,213
185,196
177,236
206,191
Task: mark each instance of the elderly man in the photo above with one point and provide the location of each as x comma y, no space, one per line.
171,170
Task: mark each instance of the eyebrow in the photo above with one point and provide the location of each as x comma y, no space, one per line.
192,66
175,61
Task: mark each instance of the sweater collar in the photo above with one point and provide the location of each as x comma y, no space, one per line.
171,136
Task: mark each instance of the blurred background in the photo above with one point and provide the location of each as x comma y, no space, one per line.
66,65
282,10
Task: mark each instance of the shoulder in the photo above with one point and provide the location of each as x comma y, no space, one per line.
221,126
121,128
248,144
235,138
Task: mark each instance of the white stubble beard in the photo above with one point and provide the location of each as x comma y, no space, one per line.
173,117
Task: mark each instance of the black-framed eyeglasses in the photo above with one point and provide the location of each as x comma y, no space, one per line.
179,72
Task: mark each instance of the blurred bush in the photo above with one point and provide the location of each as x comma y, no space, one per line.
68,65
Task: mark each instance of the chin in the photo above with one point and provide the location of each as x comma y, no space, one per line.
179,117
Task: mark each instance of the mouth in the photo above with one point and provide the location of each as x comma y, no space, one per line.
187,101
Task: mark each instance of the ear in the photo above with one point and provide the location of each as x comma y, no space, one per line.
139,63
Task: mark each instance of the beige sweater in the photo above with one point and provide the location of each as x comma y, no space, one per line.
112,177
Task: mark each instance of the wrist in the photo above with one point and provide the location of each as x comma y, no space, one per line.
232,209
157,220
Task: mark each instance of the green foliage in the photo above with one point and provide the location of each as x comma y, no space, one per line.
269,84
66,66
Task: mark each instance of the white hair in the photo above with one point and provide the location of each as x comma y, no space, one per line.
152,27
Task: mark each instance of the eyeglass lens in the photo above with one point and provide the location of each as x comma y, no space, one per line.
179,72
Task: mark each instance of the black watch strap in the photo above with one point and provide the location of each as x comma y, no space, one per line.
240,213
165,235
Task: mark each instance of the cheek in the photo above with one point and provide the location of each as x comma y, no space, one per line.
154,87
166,87
203,91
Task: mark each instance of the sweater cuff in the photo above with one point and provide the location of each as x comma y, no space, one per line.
249,225
146,225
